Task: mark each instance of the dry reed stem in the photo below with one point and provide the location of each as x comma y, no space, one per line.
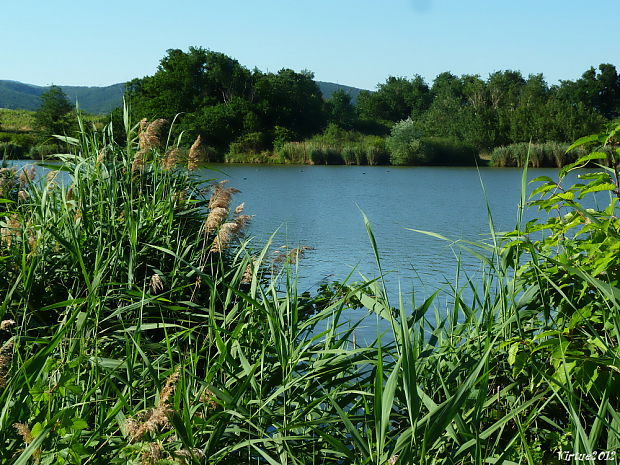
196,153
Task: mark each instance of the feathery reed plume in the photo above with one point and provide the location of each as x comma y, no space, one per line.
24,431
186,455
157,417
152,454
227,231
156,284
100,156
5,325
50,179
22,195
11,231
239,208
170,159
208,397
221,196
149,137
23,178
248,273
138,161
6,359
215,218
196,153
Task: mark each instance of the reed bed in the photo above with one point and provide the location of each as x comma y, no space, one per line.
132,332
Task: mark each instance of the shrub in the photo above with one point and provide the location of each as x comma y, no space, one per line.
404,144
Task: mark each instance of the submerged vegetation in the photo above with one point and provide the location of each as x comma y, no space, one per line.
136,326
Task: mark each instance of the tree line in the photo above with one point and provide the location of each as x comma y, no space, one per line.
226,103
243,112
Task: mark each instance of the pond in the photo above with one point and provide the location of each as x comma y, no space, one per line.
322,208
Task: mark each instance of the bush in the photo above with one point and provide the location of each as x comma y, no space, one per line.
444,151
404,145
251,143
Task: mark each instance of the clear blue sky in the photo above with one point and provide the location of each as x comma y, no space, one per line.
353,42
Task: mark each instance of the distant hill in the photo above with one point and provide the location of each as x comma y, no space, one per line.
19,96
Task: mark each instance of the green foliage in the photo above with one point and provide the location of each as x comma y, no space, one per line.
404,144
54,116
125,338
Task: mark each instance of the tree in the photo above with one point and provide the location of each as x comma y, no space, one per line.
55,115
340,109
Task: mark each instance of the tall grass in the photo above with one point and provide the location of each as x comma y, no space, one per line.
129,334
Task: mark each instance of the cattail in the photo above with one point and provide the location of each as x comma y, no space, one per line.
170,159
195,154
156,284
70,194
215,218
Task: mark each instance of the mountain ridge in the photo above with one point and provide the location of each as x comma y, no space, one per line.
16,95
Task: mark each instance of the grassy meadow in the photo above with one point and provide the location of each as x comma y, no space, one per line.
139,326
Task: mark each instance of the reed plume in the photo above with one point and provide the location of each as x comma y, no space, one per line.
228,231
148,138
6,359
221,196
196,153
11,231
24,431
156,285
170,159
157,417
215,218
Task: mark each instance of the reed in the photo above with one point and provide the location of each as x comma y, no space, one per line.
124,340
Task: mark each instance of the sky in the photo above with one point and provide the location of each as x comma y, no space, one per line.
353,42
